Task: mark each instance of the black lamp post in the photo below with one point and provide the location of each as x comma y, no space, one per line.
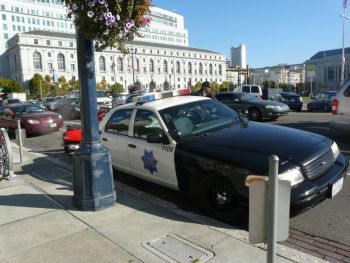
92,169
133,52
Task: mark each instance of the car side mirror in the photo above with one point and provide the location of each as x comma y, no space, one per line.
158,136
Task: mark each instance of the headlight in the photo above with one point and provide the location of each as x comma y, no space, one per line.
33,122
272,107
77,109
59,116
335,150
294,176
301,99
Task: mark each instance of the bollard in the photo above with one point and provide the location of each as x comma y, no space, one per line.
20,140
272,209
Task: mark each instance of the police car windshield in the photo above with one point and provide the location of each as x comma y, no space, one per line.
198,118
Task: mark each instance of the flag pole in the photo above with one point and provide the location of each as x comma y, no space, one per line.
345,4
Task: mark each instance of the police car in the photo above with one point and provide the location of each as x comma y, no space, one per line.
202,148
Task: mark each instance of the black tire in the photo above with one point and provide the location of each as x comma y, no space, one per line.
219,199
309,108
254,114
299,110
274,118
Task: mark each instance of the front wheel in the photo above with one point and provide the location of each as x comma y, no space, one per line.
219,199
254,114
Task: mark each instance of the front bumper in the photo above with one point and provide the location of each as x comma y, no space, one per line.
273,113
310,193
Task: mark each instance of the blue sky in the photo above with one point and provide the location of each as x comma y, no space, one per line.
274,31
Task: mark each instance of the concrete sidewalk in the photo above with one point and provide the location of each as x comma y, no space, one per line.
38,223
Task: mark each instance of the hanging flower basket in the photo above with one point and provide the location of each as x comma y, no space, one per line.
110,23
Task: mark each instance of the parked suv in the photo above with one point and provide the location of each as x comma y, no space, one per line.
292,99
341,109
252,89
322,101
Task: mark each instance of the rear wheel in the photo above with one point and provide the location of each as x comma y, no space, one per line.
219,199
254,114
308,108
325,108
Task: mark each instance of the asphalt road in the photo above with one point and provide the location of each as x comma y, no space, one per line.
330,219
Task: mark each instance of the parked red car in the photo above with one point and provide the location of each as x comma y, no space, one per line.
72,136
34,119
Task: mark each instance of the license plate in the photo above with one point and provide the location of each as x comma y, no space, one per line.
53,125
337,186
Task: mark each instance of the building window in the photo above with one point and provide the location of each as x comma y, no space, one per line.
6,36
120,64
210,69
71,55
3,17
4,26
178,70
200,68
2,7
37,60
71,44
165,66
48,42
220,70
189,68
49,54
60,43
36,42
151,66
50,66
72,67
102,64
61,62
137,69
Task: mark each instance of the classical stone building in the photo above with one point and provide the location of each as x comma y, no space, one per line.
154,65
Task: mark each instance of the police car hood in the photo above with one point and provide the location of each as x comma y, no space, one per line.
240,144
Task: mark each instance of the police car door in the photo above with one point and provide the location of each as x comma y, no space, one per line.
115,138
152,161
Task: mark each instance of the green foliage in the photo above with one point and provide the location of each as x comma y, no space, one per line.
111,23
10,85
214,88
73,85
196,87
115,88
102,85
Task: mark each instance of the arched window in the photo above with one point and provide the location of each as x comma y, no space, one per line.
36,60
178,70
189,68
120,64
151,66
220,70
210,69
200,68
165,66
102,63
61,62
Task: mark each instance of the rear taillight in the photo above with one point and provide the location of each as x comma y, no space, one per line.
335,106
261,97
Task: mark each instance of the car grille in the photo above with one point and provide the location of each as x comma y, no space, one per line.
319,166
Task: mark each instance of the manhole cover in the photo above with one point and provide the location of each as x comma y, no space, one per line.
51,173
173,248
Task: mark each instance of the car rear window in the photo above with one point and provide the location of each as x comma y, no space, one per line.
246,89
255,89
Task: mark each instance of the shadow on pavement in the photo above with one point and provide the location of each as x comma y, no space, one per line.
55,181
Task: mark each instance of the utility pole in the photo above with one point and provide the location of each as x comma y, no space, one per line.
345,4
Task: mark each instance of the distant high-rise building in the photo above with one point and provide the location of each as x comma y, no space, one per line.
239,56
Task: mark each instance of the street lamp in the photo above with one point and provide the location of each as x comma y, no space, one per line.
343,53
133,52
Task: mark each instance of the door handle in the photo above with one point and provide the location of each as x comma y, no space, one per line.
132,145
104,139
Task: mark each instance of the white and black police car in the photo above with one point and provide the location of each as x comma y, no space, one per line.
203,148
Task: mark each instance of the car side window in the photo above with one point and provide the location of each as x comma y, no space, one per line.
146,123
246,89
347,92
119,122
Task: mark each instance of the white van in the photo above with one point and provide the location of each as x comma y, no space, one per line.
252,89
341,109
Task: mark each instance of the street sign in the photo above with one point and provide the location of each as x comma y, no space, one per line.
258,211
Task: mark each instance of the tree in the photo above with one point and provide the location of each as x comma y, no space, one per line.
196,87
102,85
214,88
62,87
10,85
73,85
115,88
35,86
224,86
